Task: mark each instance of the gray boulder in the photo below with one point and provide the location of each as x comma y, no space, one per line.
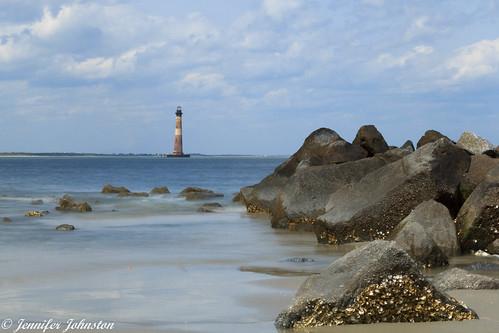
478,219
372,207
369,138
429,137
260,198
408,145
479,168
457,278
305,195
378,282
197,193
473,143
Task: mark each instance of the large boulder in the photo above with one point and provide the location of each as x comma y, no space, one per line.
457,278
479,168
197,193
428,234
323,146
478,219
305,195
372,207
378,282
429,137
68,204
474,143
369,138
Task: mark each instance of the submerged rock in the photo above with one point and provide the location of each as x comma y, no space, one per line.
210,207
7,220
37,202
65,227
133,194
68,204
478,220
378,282
110,189
372,207
160,190
197,193
429,137
305,195
457,278
473,143
369,138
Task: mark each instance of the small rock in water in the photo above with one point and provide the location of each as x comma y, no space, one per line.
457,278
110,189
65,227
37,202
35,213
68,204
133,194
300,260
160,190
197,193
210,207
6,220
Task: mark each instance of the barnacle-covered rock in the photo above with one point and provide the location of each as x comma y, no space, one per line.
372,207
480,166
478,220
378,282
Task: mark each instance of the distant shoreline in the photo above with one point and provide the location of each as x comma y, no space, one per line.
24,154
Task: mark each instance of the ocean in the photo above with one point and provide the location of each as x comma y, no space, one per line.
155,263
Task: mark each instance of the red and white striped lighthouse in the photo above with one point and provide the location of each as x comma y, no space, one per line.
178,150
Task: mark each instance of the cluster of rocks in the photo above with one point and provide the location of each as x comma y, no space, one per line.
122,191
435,201
416,207
68,204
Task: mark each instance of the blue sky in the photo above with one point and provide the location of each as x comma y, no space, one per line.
253,76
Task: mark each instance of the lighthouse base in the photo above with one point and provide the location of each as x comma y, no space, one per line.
178,155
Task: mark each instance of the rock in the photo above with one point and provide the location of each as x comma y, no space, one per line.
494,153
65,227
37,202
35,213
68,204
372,207
408,145
478,220
237,197
493,247
474,143
323,146
133,194
378,282
110,189
305,195
479,168
435,221
369,138
7,220
457,278
160,190
210,207
197,193
299,260
430,136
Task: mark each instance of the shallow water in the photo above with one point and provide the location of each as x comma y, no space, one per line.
155,263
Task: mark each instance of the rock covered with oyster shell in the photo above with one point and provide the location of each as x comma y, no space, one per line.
378,282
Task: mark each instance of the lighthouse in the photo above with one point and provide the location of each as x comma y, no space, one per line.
178,150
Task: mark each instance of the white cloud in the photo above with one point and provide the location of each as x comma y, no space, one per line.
11,50
278,8
206,82
387,60
475,60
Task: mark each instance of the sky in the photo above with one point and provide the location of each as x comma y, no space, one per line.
253,76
